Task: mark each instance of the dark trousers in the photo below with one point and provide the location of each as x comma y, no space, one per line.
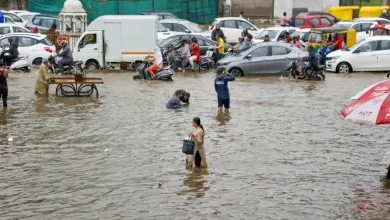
217,57
4,95
64,62
198,159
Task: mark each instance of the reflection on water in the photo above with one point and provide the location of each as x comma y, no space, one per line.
282,152
195,182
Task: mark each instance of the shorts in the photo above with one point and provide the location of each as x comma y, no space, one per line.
224,102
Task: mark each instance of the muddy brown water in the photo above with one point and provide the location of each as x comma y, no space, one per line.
284,152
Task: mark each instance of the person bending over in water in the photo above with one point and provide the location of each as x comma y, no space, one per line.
186,97
174,102
199,156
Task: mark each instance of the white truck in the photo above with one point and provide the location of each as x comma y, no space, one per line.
113,39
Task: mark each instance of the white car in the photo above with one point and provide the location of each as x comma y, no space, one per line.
35,46
27,15
362,27
232,27
274,33
373,19
184,26
15,18
370,54
18,11
303,35
6,28
163,33
8,20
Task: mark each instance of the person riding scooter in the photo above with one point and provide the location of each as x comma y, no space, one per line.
158,62
66,55
336,44
12,51
217,31
312,63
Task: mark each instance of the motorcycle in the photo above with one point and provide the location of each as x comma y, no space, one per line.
164,73
207,60
72,69
295,69
19,64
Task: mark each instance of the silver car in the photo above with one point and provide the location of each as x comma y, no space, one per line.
266,58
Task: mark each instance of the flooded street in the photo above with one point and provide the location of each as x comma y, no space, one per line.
284,152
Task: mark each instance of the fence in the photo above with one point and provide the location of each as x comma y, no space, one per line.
199,11
361,2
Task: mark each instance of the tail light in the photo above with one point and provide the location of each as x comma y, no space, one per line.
48,49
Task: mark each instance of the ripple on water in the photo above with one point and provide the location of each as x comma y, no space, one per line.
283,152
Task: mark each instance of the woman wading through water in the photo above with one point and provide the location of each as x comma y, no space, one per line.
199,155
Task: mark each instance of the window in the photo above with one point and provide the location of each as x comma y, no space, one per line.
260,52
280,51
179,28
5,30
383,22
229,24
26,41
169,17
8,20
385,45
201,42
357,27
369,46
314,21
168,25
331,18
26,17
366,26
47,23
20,30
299,22
88,39
14,17
4,42
37,20
45,41
244,25
325,21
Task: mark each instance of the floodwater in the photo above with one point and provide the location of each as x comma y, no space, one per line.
284,152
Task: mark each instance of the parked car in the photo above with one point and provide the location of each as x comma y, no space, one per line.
362,28
8,20
233,26
274,33
6,28
35,46
18,11
163,32
161,15
203,42
370,54
332,18
184,26
374,19
16,18
312,21
26,15
266,58
44,23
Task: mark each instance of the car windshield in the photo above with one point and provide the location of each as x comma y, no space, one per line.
315,37
270,33
26,17
358,44
14,17
342,25
194,27
167,41
297,33
161,28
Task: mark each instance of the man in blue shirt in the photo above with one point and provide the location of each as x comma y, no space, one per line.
222,89
312,61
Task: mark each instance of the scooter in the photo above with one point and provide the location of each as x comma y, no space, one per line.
207,60
19,64
72,69
164,73
312,74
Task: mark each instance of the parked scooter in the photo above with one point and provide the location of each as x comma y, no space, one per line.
19,64
162,74
72,69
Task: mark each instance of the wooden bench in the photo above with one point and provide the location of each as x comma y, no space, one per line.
68,86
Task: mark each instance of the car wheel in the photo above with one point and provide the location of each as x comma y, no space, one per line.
344,68
91,66
37,61
236,72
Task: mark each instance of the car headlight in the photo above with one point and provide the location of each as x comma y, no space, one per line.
223,63
333,58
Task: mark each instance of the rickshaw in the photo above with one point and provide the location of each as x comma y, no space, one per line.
319,37
380,30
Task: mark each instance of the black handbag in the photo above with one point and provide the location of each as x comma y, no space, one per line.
188,147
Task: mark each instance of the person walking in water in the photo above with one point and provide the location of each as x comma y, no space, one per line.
42,84
199,156
3,84
222,89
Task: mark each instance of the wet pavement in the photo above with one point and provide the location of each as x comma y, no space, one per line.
283,152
